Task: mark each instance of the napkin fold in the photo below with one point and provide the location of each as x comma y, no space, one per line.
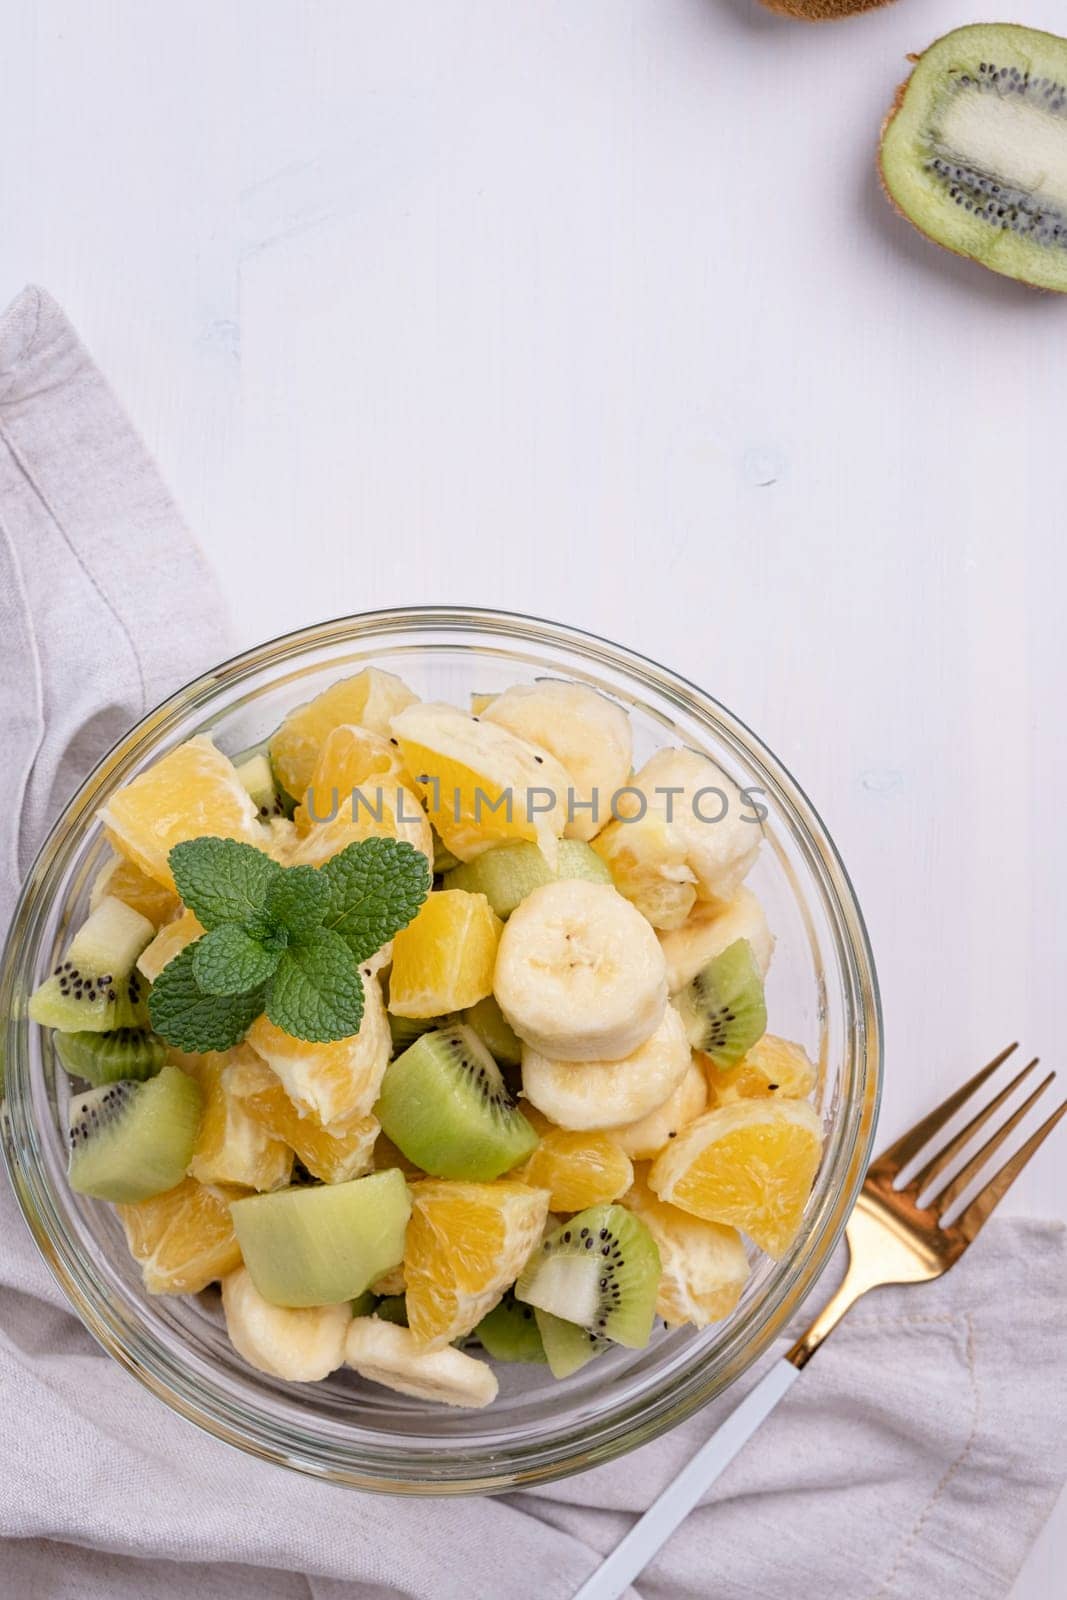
919,1454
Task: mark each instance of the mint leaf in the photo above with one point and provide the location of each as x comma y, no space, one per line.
222,880
376,888
186,1017
317,993
297,899
229,961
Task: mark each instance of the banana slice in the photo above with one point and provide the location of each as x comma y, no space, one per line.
645,1138
588,734
387,1354
609,1094
301,1346
480,784
579,974
686,834
708,930
704,1266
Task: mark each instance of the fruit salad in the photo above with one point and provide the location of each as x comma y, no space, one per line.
436,1036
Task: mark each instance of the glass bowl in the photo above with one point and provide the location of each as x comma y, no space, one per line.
821,991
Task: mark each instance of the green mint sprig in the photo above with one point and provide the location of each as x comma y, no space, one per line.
285,940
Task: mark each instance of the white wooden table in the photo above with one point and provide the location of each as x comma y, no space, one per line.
596,311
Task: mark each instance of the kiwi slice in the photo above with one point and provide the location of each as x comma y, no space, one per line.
510,1333
96,988
443,859
256,772
495,1031
567,1347
130,1141
405,1030
509,873
974,150
602,1269
324,1243
445,1105
130,1053
723,1008
393,1308
363,1305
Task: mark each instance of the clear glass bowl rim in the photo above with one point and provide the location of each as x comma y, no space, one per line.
578,1443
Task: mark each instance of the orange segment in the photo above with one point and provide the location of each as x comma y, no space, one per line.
704,1266
773,1067
749,1165
336,1084
331,1157
184,1239
466,1243
369,699
444,959
475,780
351,760
577,1169
232,1146
192,792
125,880
169,942
359,790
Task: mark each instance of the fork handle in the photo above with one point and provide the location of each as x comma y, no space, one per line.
651,1532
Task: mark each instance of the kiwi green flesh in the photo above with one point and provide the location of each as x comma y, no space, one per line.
405,1030
96,986
444,1103
256,772
974,152
601,1270
507,874
393,1308
495,1031
364,1304
443,859
323,1243
723,1009
130,1053
130,1141
567,1347
510,1333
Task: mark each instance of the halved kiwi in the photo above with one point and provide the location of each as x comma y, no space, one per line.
445,1105
130,1141
601,1270
324,1243
96,988
507,874
723,1009
128,1053
974,150
510,1333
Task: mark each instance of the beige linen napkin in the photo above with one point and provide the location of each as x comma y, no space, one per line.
918,1455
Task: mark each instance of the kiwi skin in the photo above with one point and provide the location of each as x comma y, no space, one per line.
822,10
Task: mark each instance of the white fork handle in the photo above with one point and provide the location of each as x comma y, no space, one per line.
651,1532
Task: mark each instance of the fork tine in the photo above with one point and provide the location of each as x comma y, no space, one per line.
944,1158
970,1222
909,1144
979,1160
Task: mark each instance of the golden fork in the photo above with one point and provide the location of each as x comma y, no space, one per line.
892,1238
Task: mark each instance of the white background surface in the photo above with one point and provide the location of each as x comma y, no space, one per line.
593,309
